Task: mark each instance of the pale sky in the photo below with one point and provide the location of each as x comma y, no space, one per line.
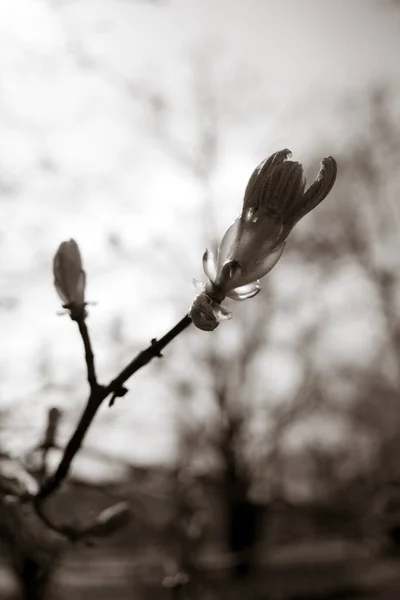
78,158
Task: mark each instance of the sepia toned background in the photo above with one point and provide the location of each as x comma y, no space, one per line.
133,127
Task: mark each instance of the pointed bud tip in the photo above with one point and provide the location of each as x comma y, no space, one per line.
286,152
328,160
327,174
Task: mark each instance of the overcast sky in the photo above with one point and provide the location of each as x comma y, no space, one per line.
78,156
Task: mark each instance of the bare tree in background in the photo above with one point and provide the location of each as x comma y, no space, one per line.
228,361
363,223
371,230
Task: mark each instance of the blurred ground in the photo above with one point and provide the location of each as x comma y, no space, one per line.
320,571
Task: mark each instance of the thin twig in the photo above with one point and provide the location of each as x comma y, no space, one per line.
43,467
49,440
97,396
89,356
74,444
154,350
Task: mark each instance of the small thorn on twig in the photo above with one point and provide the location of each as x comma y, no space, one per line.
156,351
118,394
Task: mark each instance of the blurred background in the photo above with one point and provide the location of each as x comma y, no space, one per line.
261,459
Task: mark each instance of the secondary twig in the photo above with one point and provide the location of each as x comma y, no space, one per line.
49,440
89,356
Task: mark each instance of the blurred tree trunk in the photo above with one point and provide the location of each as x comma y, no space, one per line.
33,574
244,524
34,580
33,549
243,516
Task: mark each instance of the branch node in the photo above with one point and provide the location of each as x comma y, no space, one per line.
154,345
118,394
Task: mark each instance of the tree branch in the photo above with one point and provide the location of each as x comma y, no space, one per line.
98,395
144,357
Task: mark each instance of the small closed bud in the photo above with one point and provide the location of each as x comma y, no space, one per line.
70,278
111,520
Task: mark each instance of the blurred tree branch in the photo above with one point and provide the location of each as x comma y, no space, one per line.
27,516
